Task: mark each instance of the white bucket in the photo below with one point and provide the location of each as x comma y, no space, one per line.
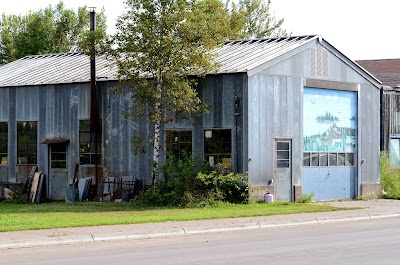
268,197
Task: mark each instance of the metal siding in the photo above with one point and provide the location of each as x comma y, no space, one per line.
332,68
4,104
27,103
369,133
84,103
12,137
254,130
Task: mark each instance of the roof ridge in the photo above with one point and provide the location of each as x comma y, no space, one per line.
49,55
270,39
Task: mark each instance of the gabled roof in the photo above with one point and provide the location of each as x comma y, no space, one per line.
239,56
386,70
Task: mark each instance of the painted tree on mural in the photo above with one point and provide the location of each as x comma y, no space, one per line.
49,30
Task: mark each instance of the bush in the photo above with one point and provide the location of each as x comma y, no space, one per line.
179,185
189,182
225,186
390,178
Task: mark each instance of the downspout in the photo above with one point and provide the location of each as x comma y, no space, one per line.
236,102
93,94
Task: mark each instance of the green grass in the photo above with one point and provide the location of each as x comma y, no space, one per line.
17,217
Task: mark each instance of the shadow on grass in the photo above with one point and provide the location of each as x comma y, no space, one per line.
79,207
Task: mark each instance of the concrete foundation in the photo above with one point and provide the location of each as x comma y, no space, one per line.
371,189
257,193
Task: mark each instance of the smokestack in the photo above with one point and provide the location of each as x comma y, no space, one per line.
93,110
94,119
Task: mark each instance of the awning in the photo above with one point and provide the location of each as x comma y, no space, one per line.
55,141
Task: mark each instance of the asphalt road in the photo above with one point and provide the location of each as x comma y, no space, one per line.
375,241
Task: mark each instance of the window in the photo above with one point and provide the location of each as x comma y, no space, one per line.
282,154
328,159
87,152
3,143
27,142
58,156
394,150
179,143
218,147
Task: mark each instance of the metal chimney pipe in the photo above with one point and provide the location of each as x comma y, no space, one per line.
93,111
94,119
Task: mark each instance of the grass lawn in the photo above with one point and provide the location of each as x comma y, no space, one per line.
17,217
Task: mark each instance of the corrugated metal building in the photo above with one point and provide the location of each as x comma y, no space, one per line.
388,71
294,113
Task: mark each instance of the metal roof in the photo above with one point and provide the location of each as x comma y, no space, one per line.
244,55
54,69
237,56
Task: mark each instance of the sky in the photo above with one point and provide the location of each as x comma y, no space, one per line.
361,29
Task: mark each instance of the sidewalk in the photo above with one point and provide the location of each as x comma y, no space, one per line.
369,210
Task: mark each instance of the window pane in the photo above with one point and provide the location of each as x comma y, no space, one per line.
394,151
323,160
333,159
315,159
282,154
306,159
282,146
341,159
27,142
218,143
87,144
282,163
58,164
349,159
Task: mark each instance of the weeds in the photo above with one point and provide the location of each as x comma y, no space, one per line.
390,178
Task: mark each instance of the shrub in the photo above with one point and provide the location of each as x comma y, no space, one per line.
189,182
306,197
390,177
179,187
225,186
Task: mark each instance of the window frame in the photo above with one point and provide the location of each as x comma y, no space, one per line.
310,155
218,155
23,149
180,143
4,142
90,153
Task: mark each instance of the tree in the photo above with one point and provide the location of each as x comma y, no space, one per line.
253,19
161,45
49,30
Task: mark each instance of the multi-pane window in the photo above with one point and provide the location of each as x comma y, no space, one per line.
319,159
3,143
218,147
87,150
27,142
58,156
179,143
282,154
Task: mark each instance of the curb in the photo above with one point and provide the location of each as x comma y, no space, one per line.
68,240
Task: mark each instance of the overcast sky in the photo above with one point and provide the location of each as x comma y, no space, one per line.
361,29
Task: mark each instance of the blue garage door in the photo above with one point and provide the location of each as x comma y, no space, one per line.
330,143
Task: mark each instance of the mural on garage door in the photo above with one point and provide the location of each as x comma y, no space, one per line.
329,142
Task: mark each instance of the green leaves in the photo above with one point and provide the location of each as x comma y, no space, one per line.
49,30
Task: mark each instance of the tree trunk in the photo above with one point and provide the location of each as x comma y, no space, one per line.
157,132
156,151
